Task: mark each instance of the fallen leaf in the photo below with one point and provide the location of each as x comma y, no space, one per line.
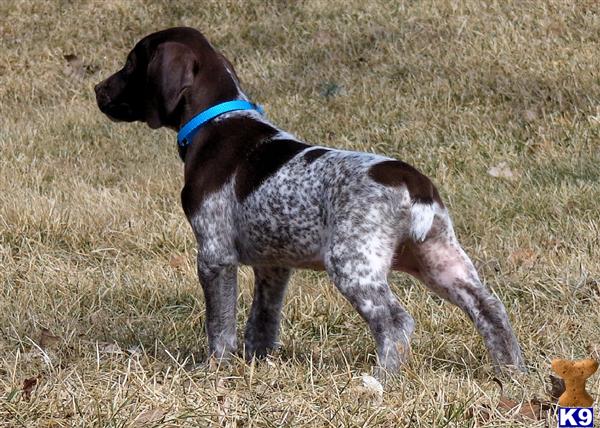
539,146
28,386
523,411
177,261
507,404
531,409
523,257
135,350
221,387
529,115
323,38
594,349
557,387
77,68
108,348
225,401
502,170
47,339
482,413
224,408
53,423
150,416
37,353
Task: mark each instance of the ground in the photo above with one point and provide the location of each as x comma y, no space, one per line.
101,314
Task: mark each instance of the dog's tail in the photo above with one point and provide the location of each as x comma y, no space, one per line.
421,219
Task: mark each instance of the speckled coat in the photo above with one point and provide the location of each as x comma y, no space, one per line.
255,195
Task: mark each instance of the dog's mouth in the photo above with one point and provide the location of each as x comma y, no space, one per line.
117,112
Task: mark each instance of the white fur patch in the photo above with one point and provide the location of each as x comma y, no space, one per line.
282,135
279,135
241,94
421,219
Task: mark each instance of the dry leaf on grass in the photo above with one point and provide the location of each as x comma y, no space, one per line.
523,257
150,416
37,353
522,411
77,68
533,409
177,261
221,387
594,350
323,37
225,401
502,170
135,351
224,411
540,146
28,387
557,387
55,423
47,339
530,115
108,348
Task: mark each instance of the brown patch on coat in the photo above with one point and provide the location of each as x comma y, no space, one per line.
216,154
240,147
314,154
262,162
395,173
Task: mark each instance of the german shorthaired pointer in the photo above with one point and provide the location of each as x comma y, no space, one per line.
255,195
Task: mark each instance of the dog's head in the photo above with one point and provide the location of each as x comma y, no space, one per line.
168,77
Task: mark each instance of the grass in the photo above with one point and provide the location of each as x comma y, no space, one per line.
99,301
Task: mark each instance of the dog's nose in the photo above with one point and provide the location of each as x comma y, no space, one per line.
99,88
101,95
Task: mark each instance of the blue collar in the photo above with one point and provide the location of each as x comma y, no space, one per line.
187,131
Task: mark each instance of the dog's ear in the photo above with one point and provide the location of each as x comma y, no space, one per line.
170,73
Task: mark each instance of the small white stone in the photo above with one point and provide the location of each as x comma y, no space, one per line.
372,388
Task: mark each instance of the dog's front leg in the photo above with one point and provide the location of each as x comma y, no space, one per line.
219,283
262,330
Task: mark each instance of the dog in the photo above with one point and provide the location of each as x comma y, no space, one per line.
256,195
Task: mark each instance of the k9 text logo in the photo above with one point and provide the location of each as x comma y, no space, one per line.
575,417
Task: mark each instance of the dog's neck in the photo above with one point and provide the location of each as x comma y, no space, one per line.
213,119
237,131
224,141
219,130
216,85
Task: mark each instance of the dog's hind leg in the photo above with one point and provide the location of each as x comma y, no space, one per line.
358,268
262,329
445,268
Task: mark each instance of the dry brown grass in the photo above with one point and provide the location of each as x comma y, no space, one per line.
91,228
